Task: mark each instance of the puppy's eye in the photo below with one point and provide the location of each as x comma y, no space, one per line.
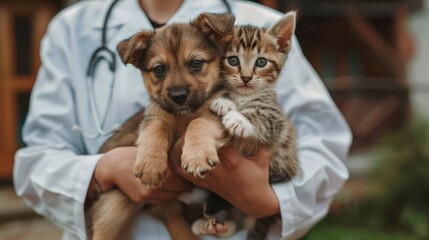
159,71
196,65
261,62
233,61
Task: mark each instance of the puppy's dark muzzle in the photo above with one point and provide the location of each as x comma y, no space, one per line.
179,95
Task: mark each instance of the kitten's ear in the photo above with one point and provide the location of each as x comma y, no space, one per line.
217,27
132,49
283,30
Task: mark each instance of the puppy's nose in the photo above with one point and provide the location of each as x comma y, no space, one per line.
246,79
179,95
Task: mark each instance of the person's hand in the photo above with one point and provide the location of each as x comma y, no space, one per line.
243,182
115,169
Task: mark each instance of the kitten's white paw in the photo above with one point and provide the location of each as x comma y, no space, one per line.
237,124
222,106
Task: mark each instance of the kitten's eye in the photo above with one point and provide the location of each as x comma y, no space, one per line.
261,62
196,65
159,71
233,61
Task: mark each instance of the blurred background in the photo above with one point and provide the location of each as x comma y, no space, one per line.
373,57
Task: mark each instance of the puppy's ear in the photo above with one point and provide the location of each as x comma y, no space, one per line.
132,49
283,31
217,27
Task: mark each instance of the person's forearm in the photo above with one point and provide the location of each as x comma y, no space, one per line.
102,179
258,202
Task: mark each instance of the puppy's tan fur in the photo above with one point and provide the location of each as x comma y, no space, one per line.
173,47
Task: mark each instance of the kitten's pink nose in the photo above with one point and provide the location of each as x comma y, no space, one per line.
246,79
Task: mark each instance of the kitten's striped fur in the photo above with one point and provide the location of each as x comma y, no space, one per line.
249,108
256,100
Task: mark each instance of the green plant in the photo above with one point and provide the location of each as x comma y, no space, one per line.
400,195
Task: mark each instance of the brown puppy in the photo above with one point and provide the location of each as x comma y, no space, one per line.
180,67
181,72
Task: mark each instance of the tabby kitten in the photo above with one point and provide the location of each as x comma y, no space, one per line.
250,112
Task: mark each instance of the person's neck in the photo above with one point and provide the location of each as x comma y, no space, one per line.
160,11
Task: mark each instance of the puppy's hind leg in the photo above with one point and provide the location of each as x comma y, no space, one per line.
113,214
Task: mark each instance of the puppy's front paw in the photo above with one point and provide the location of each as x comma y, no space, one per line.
237,124
151,168
222,106
199,160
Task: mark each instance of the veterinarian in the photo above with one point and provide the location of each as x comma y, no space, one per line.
76,105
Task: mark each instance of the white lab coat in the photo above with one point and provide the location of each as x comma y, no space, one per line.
53,172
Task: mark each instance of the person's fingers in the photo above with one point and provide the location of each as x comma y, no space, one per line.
199,182
229,156
261,157
175,182
183,174
164,195
135,190
155,196
140,192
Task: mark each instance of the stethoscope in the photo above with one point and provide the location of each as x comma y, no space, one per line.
103,53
